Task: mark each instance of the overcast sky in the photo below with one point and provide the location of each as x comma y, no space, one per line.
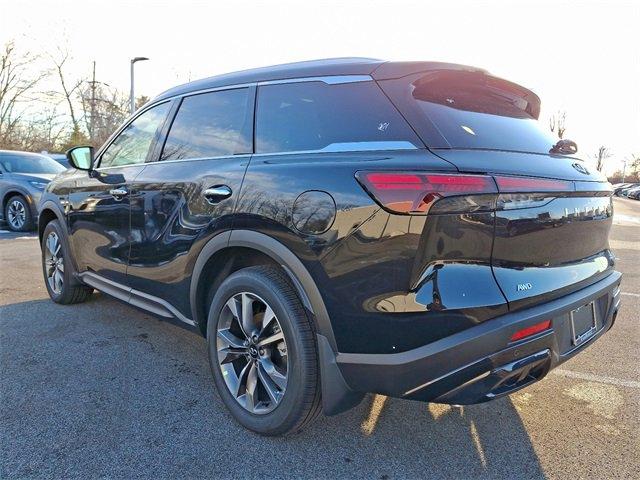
582,57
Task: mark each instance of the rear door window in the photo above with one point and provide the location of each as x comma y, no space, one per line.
316,116
211,124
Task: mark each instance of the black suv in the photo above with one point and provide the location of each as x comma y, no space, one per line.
344,226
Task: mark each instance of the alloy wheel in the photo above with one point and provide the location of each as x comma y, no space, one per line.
17,214
252,353
54,263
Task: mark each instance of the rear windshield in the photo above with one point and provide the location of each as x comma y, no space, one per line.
462,109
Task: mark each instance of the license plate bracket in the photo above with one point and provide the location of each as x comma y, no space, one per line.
583,323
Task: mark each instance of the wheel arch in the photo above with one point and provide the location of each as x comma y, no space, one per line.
17,191
50,211
267,250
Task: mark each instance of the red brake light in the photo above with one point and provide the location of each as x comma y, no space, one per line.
532,330
530,184
416,192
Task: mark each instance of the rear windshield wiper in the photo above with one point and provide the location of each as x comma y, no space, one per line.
565,146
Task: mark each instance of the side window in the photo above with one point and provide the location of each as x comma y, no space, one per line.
132,145
317,116
210,125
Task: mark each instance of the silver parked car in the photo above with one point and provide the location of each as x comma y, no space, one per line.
23,178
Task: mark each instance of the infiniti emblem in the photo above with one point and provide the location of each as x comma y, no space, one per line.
581,168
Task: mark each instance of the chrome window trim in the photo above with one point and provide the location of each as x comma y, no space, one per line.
198,159
103,169
329,80
393,146
210,90
350,147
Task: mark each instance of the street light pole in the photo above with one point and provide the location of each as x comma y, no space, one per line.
132,97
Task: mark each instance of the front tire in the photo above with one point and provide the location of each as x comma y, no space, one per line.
57,268
262,352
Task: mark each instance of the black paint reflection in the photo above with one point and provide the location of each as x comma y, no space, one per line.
536,246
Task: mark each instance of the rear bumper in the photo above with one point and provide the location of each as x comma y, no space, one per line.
480,363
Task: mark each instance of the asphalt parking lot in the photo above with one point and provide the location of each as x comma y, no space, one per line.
102,390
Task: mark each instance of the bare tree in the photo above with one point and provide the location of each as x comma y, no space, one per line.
104,109
77,112
141,101
634,165
44,132
557,123
16,82
601,156
69,91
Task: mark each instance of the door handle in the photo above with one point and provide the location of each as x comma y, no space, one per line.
217,193
118,193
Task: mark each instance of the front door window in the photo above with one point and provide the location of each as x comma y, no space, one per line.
132,145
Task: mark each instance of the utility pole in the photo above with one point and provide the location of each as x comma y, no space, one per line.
132,97
624,169
93,103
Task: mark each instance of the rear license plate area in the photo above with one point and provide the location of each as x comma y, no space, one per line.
582,322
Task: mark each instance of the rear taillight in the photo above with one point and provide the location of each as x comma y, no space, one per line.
529,192
530,184
416,193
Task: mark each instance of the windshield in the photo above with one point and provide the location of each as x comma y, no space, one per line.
29,163
471,109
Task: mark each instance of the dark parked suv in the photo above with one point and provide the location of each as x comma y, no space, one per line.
344,226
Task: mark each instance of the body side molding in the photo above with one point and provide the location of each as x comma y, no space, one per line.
133,297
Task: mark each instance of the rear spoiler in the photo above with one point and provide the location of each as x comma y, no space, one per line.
395,70
391,70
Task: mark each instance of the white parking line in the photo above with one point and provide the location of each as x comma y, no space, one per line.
597,378
630,294
626,218
624,245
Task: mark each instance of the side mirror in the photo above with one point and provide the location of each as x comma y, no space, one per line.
81,158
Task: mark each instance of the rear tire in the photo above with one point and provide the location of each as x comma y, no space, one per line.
281,391
17,214
57,268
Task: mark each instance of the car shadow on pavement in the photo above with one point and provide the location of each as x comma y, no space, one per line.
101,389
435,440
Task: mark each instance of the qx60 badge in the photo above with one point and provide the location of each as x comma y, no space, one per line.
524,286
